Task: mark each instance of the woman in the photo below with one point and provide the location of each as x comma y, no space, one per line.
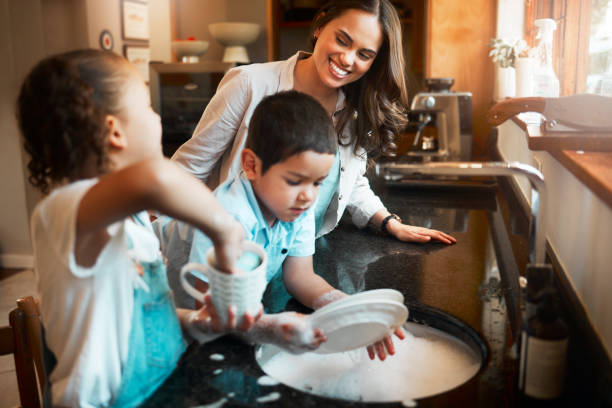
356,71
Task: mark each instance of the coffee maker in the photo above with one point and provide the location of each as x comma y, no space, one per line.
440,127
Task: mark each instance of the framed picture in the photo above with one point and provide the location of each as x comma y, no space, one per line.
139,56
135,20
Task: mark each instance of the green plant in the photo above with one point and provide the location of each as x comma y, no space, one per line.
505,53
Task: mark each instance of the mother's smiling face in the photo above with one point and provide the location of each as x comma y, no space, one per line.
346,47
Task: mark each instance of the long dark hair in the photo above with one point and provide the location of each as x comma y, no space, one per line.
61,112
377,103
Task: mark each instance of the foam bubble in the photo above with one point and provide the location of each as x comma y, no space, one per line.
273,396
217,357
267,381
427,362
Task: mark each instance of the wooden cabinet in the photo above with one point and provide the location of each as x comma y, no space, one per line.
288,28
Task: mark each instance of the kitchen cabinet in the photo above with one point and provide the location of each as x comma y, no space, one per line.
179,94
288,28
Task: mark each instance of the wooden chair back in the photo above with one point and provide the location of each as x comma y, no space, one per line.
23,339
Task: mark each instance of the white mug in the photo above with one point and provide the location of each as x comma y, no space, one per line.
242,291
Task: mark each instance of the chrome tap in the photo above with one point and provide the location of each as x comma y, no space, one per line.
537,239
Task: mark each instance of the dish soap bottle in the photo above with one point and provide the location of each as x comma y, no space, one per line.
543,353
545,82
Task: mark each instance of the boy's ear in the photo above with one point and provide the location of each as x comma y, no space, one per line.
116,137
250,163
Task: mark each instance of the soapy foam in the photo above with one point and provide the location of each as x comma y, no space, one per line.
425,363
273,396
248,261
217,357
267,381
216,404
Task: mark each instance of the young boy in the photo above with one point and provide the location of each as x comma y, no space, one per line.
290,149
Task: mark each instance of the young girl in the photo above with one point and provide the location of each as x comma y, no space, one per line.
357,72
108,313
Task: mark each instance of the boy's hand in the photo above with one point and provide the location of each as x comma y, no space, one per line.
385,346
229,247
288,330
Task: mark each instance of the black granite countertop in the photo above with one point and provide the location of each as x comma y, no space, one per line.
473,281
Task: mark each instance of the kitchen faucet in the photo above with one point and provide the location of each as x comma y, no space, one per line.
393,171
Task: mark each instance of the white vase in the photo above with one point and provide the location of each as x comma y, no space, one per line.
505,83
524,77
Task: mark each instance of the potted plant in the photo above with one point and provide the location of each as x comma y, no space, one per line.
506,57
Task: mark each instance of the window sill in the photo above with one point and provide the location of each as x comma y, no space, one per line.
588,156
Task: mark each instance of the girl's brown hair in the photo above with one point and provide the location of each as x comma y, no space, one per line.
379,99
61,111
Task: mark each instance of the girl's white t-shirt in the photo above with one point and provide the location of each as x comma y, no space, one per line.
86,312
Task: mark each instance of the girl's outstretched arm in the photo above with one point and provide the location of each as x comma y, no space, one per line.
154,184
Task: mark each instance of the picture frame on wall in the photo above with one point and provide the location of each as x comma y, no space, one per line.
139,55
135,20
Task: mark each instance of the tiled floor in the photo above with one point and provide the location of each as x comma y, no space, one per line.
13,285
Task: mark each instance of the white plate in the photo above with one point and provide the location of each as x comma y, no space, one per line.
356,325
374,294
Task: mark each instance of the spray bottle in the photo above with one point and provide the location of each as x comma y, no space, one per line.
545,81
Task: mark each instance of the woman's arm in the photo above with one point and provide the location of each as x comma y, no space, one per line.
405,232
155,184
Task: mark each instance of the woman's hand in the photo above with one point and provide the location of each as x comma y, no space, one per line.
385,346
410,233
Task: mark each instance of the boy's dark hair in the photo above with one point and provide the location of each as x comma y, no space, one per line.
288,123
61,111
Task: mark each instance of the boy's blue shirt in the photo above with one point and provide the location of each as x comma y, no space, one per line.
283,239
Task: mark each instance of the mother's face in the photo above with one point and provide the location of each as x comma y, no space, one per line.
346,47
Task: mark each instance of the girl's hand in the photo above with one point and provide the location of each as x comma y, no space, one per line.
206,319
410,233
229,247
385,346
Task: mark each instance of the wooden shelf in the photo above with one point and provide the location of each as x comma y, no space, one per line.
306,24
540,139
414,20
294,24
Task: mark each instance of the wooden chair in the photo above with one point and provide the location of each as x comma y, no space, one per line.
23,339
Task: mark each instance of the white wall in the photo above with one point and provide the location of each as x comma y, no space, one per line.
21,31
160,35
29,31
194,16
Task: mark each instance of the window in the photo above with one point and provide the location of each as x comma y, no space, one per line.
583,42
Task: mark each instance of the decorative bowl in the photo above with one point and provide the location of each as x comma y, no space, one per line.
189,50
